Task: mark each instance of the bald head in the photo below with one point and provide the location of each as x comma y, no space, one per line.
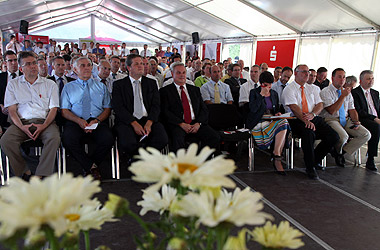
215,73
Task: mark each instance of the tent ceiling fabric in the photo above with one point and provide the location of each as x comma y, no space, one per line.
163,21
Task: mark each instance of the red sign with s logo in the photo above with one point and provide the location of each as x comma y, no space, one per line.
275,53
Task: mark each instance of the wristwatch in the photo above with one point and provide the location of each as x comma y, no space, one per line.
314,114
99,121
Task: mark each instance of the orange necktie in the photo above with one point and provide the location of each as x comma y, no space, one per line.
305,109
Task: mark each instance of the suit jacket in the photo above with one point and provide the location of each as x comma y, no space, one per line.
3,87
171,105
361,105
123,102
257,106
69,79
235,88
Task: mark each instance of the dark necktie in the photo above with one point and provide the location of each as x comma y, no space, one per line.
13,75
186,106
114,76
104,81
61,84
15,48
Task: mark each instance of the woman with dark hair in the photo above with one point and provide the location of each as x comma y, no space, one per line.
263,101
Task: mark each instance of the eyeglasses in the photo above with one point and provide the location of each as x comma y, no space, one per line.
27,64
11,60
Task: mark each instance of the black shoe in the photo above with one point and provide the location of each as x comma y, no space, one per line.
339,160
370,165
320,167
277,158
26,177
312,174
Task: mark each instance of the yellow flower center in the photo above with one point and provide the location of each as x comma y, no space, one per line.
183,167
72,217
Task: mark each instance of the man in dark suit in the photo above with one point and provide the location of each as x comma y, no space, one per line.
12,72
235,82
184,111
136,102
59,70
58,77
366,102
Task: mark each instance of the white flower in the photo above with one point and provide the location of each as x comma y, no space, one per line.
88,216
278,237
153,201
26,205
188,167
239,208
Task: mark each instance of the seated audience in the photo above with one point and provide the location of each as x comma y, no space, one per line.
322,81
340,114
252,83
277,73
184,112
265,101
367,103
32,103
86,102
205,77
305,103
235,82
215,91
136,102
279,86
351,81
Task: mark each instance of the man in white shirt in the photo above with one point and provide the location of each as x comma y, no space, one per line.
306,104
154,70
215,91
32,102
13,45
252,83
339,112
244,74
53,47
42,67
40,48
279,86
145,52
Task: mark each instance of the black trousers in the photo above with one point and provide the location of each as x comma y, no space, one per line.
128,140
205,134
74,137
373,143
322,132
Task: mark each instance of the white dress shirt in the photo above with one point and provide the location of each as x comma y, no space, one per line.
141,97
245,89
292,95
188,98
33,100
329,96
38,50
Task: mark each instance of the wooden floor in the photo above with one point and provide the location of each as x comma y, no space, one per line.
339,211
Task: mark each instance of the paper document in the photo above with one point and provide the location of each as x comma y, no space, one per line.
93,126
286,115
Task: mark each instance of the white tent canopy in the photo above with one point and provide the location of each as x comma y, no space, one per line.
163,21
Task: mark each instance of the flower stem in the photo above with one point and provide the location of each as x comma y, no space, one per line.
53,241
142,224
87,239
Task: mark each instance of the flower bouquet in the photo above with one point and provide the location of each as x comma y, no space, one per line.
196,210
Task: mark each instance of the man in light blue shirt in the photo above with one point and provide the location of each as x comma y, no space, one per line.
220,93
86,104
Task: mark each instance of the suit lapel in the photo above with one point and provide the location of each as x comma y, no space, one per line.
375,100
173,90
144,91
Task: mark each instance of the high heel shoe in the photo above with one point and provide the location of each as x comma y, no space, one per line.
278,158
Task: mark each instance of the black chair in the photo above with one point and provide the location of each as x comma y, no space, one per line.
226,119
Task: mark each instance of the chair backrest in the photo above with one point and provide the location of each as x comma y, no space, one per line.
223,116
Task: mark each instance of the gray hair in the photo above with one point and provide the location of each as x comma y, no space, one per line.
76,59
365,72
351,79
176,64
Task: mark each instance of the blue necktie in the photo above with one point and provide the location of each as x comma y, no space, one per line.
86,107
342,113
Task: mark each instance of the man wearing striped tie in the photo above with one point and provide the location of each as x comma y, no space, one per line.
305,103
339,112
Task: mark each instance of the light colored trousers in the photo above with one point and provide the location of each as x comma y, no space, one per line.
13,138
359,136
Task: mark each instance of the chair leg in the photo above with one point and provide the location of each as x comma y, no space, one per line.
292,154
63,160
324,161
113,161
117,162
287,155
359,157
251,154
2,169
7,169
59,163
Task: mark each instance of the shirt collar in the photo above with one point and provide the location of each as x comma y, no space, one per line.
364,91
57,77
133,79
179,87
83,82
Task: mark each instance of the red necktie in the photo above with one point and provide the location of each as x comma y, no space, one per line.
186,106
